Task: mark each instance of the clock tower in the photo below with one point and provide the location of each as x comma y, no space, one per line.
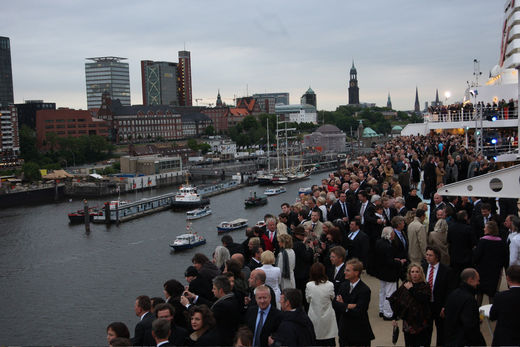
353,89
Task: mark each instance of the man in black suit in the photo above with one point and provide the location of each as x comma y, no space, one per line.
442,283
264,319
340,209
304,258
292,217
506,306
272,233
400,244
143,329
227,241
177,334
335,273
435,205
353,301
227,310
257,279
461,240
388,211
358,242
400,206
255,262
366,213
161,332
197,285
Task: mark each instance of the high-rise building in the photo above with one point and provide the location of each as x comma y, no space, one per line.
159,79
267,101
107,74
184,78
309,98
6,74
353,89
9,139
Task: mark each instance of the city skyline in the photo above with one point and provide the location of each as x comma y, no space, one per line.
244,49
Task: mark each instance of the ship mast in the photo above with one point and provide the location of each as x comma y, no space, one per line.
268,159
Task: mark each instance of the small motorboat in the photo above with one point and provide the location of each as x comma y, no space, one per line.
274,191
78,217
198,213
233,225
255,200
305,190
188,240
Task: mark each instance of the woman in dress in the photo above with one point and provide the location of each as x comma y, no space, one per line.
319,293
411,302
273,275
285,261
490,256
203,325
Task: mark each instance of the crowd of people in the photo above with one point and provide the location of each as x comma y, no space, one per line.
502,110
298,280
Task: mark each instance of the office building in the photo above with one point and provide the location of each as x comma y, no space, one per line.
27,112
309,98
9,139
184,79
110,75
6,74
267,101
297,113
159,80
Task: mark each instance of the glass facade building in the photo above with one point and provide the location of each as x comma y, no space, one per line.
107,74
159,79
6,74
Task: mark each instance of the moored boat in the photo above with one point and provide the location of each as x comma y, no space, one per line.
304,190
274,191
78,217
187,197
198,213
233,225
255,200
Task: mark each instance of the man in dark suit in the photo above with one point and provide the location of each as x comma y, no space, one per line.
400,244
226,310
197,285
304,257
358,242
272,233
435,205
388,211
400,206
506,306
335,273
161,332
255,262
442,283
233,247
257,279
264,319
177,334
461,240
353,301
462,321
340,209
143,329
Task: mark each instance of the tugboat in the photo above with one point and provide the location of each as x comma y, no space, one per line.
187,241
274,191
255,200
233,225
198,213
187,197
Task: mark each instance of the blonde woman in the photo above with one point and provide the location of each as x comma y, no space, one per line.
273,275
286,261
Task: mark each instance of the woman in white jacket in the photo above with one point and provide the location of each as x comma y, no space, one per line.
273,275
286,261
320,293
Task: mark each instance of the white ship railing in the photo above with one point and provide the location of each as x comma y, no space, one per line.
469,115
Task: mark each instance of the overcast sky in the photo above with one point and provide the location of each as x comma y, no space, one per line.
262,46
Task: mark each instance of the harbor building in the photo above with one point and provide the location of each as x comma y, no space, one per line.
6,74
27,112
150,164
66,122
225,147
107,75
9,136
297,113
327,138
267,101
309,98
159,83
184,79
194,124
353,88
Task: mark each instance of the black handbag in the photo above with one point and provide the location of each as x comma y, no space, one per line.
395,334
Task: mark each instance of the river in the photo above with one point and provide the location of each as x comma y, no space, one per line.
62,286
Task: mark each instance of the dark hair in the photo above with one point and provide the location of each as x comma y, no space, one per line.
156,301
208,320
513,273
257,230
120,329
461,216
245,335
174,288
335,233
485,206
255,250
294,296
419,213
161,328
283,215
285,204
317,273
356,221
222,282
121,341
144,302
227,240
435,251
234,267
165,306
339,252
199,258
363,193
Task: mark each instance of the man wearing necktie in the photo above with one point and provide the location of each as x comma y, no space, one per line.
271,233
400,244
263,319
340,209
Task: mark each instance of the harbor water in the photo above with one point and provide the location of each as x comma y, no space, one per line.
62,286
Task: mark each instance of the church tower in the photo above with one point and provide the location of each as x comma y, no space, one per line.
417,108
219,100
353,89
389,102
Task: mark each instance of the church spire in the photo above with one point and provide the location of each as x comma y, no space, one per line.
219,99
389,102
417,107
353,89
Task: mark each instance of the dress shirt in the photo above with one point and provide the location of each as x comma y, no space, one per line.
352,235
266,312
337,269
400,236
362,212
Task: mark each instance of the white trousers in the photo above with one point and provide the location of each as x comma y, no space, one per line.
386,289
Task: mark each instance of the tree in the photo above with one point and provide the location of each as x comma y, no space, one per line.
28,150
209,131
249,123
31,171
193,145
204,148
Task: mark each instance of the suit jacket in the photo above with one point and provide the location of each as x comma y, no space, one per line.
276,246
401,249
304,260
338,279
359,247
271,322
402,212
253,264
389,215
354,325
418,238
143,331
318,228
227,312
177,336
336,211
505,311
461,241
444,284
